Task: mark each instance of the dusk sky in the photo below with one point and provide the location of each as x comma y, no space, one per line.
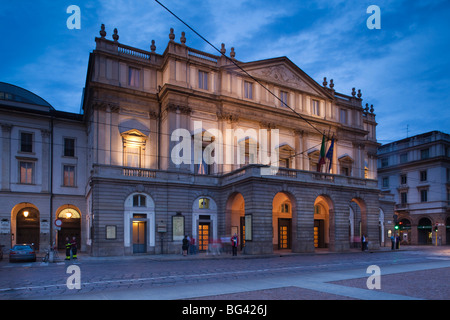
402,69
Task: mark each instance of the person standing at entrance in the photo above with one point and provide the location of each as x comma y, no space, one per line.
234,244
185,246
68,245
73,247
363,242
392,242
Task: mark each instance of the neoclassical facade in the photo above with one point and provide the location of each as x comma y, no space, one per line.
190,143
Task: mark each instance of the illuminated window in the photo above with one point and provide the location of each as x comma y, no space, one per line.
134,143
69,176
26,172
69,213
203,203
285,208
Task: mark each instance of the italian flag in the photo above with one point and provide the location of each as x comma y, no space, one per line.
322,155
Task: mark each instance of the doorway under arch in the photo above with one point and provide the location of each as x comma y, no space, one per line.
424,232
28,226
70,217
282,222
322,236
235,209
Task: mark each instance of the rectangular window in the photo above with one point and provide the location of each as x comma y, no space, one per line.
386,182
315,107
424,154
69,176
403,179
203,80
26,172
283,98
343,116
384,162
423,175
26,142
133,77
248,90
403,198
423,195
403,158
69,147
133,157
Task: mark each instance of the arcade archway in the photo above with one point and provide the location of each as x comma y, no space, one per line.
28,226
71,225
282,208
236,212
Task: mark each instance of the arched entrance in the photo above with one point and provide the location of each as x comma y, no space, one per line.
359,207
424,232
139,223
28,226
204,222
235,209
282,221
71,225
322,207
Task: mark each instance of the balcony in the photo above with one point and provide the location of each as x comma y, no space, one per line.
252,171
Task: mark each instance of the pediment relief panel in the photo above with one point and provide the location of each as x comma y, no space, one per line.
283,75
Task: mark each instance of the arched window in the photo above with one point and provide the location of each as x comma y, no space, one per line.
139,200
203,203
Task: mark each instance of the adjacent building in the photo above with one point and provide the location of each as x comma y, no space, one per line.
417,171
190,143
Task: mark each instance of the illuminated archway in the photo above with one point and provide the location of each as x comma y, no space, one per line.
28,226
25,224
70,217
235,209
282,221
322,235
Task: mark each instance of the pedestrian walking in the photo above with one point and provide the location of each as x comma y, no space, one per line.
73,247
68,245
185,246
192,247
397,244
234,244
392,242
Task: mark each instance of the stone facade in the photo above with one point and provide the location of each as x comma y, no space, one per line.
143,189
416,170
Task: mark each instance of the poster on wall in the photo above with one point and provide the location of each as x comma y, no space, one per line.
177,227
248,227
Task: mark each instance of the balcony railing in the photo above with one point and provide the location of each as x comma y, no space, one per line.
249,171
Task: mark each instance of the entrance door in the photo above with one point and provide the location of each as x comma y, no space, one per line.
319,234
139,238
203,235
28,227
284,233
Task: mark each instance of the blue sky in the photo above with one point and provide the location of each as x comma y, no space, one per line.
402,69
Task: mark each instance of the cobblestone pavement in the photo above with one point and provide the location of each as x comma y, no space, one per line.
317,276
